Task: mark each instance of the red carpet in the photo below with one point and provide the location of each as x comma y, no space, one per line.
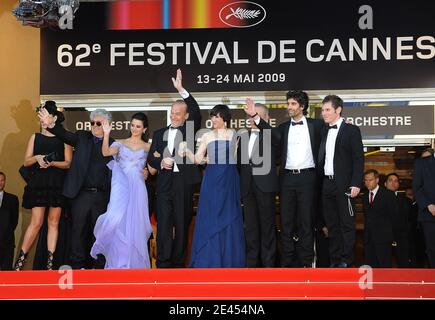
245,284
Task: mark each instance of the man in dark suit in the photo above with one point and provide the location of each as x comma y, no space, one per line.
424,189
400,222
176,178
341,161
8,223
380,208
258,190
87,184
299,140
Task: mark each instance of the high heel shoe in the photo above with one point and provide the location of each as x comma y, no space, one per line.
50,258
19,264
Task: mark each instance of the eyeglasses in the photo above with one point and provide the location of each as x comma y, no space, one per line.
98,123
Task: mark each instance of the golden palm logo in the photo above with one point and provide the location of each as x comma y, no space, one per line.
243,14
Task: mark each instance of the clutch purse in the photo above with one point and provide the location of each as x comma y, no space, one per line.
26,172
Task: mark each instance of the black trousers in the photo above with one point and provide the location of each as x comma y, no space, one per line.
378,255
401,252
340,224
85,210
260,231
7,257
297,198
429,236
322,250
174,213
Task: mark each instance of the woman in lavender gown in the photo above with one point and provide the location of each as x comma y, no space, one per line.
122,232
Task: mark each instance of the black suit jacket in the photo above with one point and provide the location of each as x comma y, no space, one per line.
424,187
280,135
83,142
267,182
189,171
8,220
378,218
348,156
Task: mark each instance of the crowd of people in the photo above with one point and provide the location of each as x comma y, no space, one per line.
102,184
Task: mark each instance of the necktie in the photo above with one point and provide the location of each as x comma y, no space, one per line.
97,140
371,197
296,123
333,127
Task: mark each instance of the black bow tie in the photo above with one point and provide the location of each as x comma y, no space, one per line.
333,127
97,140
296,123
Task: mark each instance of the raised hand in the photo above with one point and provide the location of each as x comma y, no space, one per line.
46,118
107,126
178,83
250,107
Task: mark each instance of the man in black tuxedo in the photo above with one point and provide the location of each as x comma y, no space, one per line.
424,189
380,208
256,156
87,184
341,161
400,222
299,140
8,223
176,178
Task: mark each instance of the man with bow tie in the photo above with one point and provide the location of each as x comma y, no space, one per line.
341,161
299,140
87,184
176,178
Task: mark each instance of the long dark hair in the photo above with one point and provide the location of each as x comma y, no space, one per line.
142,117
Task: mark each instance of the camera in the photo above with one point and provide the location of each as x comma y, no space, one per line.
50,157
43,13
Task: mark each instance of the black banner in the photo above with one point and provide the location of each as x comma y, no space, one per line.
308,45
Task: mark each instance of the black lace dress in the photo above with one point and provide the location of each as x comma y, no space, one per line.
44,188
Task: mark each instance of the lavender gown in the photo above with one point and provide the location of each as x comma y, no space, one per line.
122,232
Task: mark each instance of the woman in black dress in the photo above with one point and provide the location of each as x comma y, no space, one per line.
50,158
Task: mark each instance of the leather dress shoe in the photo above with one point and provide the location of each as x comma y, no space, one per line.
344,265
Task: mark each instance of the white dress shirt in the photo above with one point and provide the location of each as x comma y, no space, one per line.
375,191
330,148
252,138
1,197
173,133
299,153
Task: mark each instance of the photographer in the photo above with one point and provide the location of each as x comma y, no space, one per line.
49,158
